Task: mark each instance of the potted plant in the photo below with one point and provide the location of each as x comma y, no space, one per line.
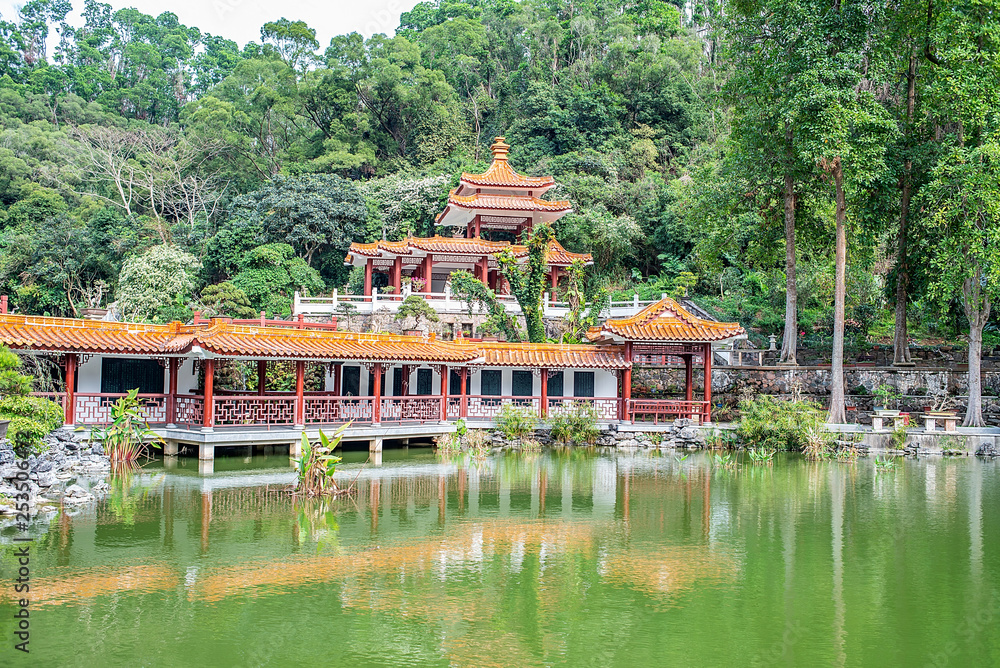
94,296
886,399
942,406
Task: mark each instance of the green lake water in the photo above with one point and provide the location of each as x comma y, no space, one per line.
576,558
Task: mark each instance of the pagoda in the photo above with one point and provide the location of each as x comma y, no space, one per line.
500,203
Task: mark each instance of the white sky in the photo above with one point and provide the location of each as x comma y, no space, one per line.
240,20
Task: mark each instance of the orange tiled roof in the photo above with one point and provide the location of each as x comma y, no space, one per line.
507,202
548,355
220,338
228,340
460,246
500,174
665,321
95,336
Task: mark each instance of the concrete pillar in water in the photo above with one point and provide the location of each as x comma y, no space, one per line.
170,449
376,458
375,444
206,466
206,451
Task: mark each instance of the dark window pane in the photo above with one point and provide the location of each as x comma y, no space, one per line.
521,383
425,381
397,382
583,384
454,383
555,388
490,382
121,375
350,381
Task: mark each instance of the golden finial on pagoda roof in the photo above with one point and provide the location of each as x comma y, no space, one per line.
499,149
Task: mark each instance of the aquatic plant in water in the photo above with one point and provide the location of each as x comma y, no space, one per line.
761,455
317,465
125,438
885,465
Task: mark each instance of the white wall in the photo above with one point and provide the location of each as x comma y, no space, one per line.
88,375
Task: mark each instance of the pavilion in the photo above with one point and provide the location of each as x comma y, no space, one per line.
500,203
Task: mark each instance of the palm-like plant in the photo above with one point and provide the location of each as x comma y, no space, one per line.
124,438
317,464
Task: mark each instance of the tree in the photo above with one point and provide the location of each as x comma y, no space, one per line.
962,199
162,276
418,309
294,40
527,283
225,299
269,276
313,213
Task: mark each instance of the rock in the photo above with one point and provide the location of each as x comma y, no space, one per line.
43,466
988,450
47,480
72,445
5,445
75,491
688,434
97,449
7,457
9,472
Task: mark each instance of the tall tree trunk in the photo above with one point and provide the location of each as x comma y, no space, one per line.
790,340
977,310
900,339
837,406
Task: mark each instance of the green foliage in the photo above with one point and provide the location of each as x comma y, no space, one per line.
418,309
25,434
163,275
269,275
577,426
12,381
761,455
225,299
784,425
886,395
124,440
48,414
317,465
516,422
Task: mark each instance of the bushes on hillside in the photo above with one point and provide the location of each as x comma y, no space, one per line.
31,418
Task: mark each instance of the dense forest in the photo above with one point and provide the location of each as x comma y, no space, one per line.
825,169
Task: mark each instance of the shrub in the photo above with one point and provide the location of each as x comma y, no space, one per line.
26,435
578,425
317,465
516,422
784,425
124,438
12,382
47,413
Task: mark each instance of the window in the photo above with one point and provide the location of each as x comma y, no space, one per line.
521,383
454,383
583,384
490,382
350,381
397,382
425,381
120,375
555,388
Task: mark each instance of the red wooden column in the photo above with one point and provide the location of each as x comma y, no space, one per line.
69,408
397,274
484,269
300,393
463,411
208,421
376,394
172,366
627,383
444,393
708,383
426,271
543,410
261,377
336,378
368,277
554,273
689,380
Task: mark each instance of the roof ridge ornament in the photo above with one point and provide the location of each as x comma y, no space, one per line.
499,148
